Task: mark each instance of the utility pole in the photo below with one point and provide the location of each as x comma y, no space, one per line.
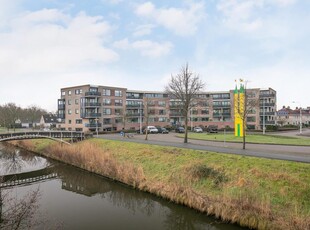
264,126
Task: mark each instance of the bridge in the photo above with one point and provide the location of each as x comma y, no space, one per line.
53,135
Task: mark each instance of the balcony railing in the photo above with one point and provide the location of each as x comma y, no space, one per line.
134,105
267,104
97,94
90,115
93,125
267,113
134,114
267,95
62,116
268,122
221,106
91,104
61,107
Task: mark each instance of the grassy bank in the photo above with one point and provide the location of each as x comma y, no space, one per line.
251,138
257,193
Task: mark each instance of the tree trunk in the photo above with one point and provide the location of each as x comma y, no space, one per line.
185,127
243,123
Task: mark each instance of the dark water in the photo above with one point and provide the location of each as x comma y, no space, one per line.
75,199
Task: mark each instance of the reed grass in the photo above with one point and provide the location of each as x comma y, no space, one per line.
253,192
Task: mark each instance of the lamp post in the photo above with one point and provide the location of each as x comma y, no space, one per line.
264,122
300,117
97,126
140,117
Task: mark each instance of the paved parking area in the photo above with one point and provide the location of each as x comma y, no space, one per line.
283,152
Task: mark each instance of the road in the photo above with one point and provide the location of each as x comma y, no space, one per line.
280,152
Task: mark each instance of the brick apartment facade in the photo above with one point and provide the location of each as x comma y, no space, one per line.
89,107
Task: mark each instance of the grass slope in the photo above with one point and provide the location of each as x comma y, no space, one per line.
254,192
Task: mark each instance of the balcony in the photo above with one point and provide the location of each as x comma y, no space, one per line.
61,107
93,125
61,116
92,94
217,115
226,114
90,115
91,104
267,104
268,122
267,113
175,114
134,105
267,95
134,114
221,106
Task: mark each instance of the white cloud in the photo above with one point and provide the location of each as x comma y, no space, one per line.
143,30
51,41
146,48
246,15
182,21
114,2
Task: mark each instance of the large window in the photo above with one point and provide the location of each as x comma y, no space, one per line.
118,93
78,121
69,111
106,92
118,103
76,101
106,111
106,102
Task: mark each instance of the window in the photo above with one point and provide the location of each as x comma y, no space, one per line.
118,93
78,121
204,111
106,92
106,111
118,111
77,91
161,103
69,111
63,93
76,111
162,112
107,121
69,122
78,129
69,92
162,119
118,102
106,102
118,120
76,101
69,102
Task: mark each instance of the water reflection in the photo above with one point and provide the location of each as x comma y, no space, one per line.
14,160
81,200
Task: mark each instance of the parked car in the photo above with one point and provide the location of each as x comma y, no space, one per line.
162,130
212,129
198,130
151,129
180,130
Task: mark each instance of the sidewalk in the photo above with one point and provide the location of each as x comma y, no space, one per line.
281,152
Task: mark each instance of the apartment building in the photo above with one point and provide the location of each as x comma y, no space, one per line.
104,108
288,116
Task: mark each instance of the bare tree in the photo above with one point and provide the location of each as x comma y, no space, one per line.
18,214
33,113
147,116
9,113
185,86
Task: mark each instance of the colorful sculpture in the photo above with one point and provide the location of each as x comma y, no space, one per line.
239,100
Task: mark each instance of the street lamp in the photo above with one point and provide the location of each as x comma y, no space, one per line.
97,126
264,122
140,117
300,117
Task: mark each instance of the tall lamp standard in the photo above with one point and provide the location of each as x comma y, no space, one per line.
97,126
140,117
300,117
264,125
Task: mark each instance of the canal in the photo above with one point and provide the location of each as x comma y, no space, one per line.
74,199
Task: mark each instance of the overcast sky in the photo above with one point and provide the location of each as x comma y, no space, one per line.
50,44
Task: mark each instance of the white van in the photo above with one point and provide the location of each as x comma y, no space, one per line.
152,129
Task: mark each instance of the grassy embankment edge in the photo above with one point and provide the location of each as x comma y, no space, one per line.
251,139
252,192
